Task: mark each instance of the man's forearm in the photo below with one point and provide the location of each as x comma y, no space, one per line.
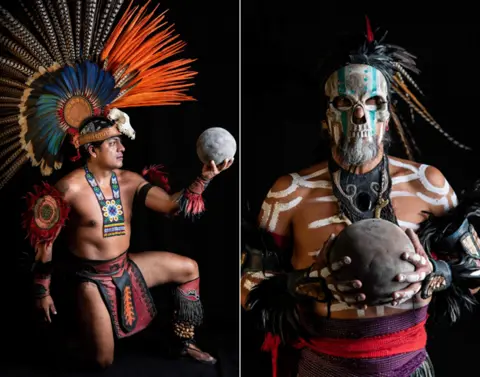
42,275
190,200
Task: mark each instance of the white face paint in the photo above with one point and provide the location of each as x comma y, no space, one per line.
358,110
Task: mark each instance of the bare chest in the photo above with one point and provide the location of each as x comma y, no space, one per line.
102,206
317,216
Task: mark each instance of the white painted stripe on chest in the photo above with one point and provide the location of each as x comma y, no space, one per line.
281,207
323,222
443,201
302,181
329,198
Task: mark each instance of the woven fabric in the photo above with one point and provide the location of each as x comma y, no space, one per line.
412,364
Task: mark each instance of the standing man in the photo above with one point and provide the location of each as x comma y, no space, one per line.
302,307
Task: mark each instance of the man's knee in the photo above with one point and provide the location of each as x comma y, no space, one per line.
190,268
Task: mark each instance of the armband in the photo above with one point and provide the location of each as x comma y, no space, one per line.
46,214
191,201
142,193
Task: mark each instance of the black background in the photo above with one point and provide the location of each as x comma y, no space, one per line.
165,135
283,105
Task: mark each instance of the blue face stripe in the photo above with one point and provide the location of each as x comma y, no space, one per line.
373,117
345,121
374,81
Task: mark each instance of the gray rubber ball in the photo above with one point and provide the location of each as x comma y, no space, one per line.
216,144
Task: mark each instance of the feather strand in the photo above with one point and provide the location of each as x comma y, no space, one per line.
24,36
66,22
47,24
19,52
89,19
58,30
19,158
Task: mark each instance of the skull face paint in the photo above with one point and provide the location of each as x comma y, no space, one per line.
358,110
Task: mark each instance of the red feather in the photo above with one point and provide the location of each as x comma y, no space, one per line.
154,175
370,36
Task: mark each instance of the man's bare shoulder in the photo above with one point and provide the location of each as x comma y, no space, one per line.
129,179
400,166
424,176
315,172
128,176
290,186
71,183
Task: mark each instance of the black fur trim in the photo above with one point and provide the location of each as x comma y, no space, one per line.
187,310
277,309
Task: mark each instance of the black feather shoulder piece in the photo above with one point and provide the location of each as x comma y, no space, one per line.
453,238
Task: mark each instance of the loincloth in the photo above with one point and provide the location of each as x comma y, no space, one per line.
392,346
123,290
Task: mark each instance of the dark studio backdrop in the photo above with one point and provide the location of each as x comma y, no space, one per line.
164,135
283,106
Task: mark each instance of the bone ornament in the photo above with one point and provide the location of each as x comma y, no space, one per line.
375,247
216,144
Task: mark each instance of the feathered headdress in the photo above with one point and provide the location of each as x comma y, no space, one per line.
70,64
396,64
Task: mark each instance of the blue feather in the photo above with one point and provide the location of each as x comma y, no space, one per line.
99,84
80,73
84,75
55,137
53,88
74,79
107,88
38,126
92,73
67,74
46,110
112,96
47,99
42,141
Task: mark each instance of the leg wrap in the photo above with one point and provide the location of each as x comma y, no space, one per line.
188,309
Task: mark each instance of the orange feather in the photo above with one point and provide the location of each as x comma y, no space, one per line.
117,31
142,43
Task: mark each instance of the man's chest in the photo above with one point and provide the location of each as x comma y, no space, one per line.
105,207
319,216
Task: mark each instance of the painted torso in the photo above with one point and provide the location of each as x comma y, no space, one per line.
303,207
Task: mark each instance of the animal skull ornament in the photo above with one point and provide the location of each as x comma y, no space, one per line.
358,103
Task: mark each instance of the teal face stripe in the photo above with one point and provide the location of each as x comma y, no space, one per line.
373,117
345,121
373,114
374,80
342,90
